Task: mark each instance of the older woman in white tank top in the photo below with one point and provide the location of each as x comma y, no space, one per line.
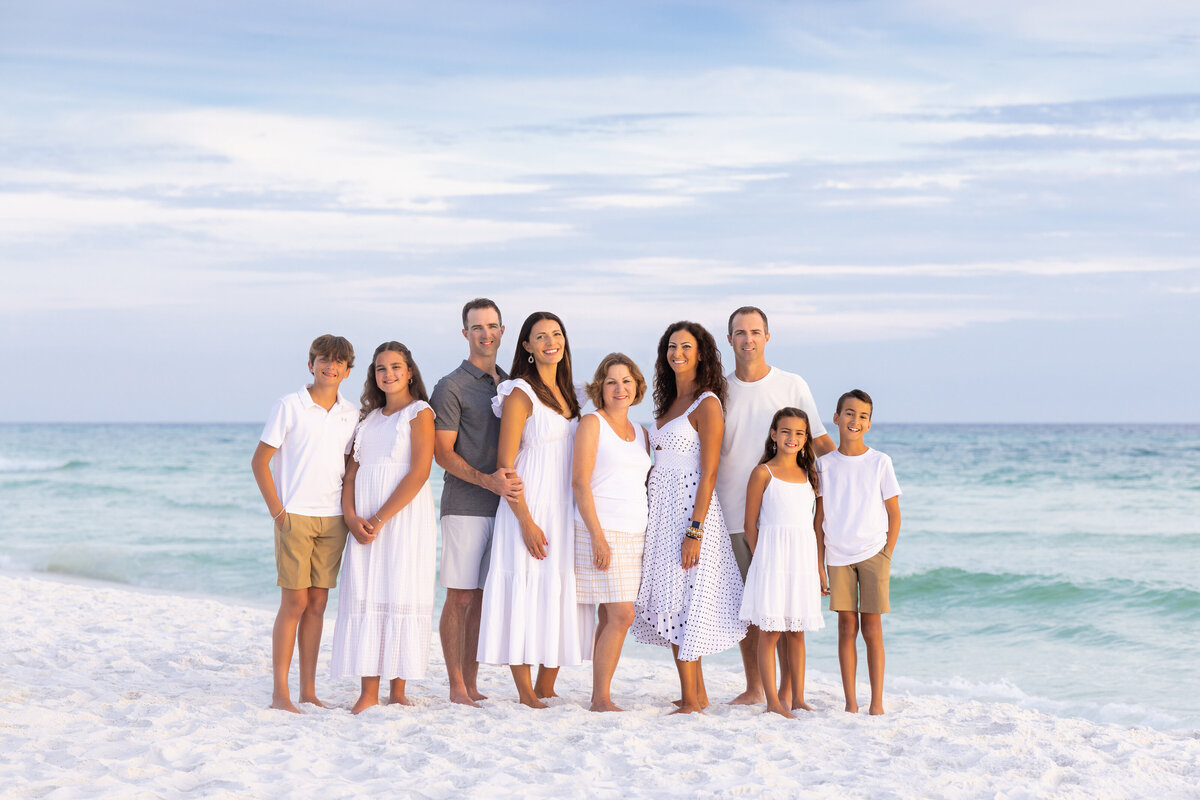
611,460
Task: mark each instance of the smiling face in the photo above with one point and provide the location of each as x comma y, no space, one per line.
749,338
483,332
547,343
789,435
328,371
619,388
392,374
853,420
683,352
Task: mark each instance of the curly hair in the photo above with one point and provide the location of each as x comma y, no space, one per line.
595,389
709,374
373,397
523,368
806,459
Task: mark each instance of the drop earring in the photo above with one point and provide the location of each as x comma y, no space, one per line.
531,358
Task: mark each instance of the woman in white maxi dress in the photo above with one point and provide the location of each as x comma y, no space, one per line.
691,588
385,604
530,615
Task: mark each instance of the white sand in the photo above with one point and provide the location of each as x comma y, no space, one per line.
108,692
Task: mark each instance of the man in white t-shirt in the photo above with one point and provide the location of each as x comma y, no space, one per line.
756,391
309,434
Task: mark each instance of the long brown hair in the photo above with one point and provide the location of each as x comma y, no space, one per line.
373,397
524,368
709,377
806,459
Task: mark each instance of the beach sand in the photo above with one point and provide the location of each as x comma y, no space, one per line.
115,692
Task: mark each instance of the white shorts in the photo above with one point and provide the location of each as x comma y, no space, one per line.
466,551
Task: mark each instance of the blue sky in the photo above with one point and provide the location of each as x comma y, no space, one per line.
977,212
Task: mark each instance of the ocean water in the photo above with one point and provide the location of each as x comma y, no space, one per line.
1054,567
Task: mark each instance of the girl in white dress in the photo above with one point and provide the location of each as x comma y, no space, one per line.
612,457
530,615
691,588
385,608
785,582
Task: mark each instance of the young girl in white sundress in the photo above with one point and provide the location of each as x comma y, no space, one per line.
785,582
691,588
385,609
529,613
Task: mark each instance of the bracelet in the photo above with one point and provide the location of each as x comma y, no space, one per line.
693,535
376,517
282,511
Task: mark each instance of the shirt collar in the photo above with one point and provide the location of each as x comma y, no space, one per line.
306,399
476,373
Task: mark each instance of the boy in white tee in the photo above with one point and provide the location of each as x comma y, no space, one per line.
859,518
308,433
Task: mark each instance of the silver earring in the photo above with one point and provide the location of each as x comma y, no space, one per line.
773,447
531,358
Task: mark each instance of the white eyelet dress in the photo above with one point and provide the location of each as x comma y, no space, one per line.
385,604
529,614
783,589
695,609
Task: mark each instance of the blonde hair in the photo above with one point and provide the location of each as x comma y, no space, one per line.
595,389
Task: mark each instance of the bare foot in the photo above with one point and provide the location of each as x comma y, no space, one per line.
313,700
605,705
749,698
475,694
688,709
364,702
875,710
464,699
544,693
780,710
284,704
533,702
851,707
398,700
801,705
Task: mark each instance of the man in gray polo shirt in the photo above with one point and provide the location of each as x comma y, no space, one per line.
466,436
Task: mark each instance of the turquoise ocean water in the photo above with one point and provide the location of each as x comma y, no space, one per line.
1055,567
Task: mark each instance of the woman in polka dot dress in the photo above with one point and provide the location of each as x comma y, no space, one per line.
691,589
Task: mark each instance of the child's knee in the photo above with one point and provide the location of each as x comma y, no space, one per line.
872,627
317,600
847,624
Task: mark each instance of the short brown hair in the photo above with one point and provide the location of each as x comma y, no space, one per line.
749,310
477,303
336,347
595,389
855,394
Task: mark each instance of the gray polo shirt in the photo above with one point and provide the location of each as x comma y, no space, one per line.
462,402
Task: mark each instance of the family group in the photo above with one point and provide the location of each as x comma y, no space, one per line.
723,523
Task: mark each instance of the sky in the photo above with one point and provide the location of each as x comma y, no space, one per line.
977,212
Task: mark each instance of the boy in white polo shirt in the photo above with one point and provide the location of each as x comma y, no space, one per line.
860,519
309,434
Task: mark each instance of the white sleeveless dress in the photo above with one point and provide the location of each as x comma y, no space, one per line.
529,611
695,609
385,604
783,589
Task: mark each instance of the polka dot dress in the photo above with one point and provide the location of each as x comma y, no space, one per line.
696,609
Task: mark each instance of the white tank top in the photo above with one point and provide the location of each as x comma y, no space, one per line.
619,480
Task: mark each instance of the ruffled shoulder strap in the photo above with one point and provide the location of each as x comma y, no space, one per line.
410,411
696,403
358,432
505,388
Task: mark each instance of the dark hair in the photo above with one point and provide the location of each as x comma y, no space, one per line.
373,397
857,394
708,370
806,459
478,303
523,368
336,347
749,310
595,389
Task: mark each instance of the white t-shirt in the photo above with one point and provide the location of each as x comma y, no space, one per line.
311,447
748,412
853,489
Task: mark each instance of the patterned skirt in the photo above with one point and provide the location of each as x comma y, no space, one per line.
617,584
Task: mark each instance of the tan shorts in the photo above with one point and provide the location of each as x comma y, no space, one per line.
308,550
861,587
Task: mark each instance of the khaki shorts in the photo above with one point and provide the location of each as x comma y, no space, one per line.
308,550
741,552
861,587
